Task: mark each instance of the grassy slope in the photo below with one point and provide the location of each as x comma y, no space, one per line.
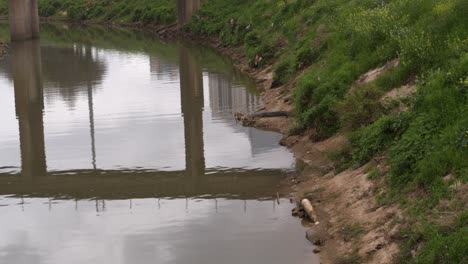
331,43
146,11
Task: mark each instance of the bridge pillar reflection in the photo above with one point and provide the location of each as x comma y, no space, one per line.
185,10
23,19
191,91
29,103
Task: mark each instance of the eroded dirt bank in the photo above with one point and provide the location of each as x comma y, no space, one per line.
352,227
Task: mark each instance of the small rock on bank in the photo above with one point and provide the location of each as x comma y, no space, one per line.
314,237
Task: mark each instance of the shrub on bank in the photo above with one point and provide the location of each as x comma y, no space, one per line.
377,137
361,107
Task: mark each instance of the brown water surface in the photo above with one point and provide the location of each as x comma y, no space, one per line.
117,147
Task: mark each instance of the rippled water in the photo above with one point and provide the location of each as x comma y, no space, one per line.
117,147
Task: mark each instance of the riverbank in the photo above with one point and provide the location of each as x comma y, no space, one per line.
353,227
386,190
378,113
360,221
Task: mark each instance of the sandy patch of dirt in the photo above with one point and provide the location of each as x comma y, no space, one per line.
351,222
396,98
400,93
373,74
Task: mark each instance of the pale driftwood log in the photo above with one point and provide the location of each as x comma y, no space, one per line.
309,210
249,119
269,114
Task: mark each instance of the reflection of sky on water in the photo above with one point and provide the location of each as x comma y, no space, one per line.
151,231
146,106
137,118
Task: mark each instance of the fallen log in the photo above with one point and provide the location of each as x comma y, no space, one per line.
163,29
250,119
269,114
241,116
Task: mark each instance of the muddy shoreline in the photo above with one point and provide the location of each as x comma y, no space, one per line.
352,227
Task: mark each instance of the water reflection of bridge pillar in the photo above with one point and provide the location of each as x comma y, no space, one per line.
186,9
29,102
89,59
191,91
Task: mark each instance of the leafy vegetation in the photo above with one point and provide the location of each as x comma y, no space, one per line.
445,246
442,244
3,7
146,11
375,138
351,231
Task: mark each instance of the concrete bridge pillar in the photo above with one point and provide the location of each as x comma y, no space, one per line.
24,19
185,10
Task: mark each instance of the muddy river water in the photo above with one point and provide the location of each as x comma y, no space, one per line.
117,147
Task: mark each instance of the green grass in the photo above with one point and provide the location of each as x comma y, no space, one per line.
4,7
376,138
351,232
374,174
439,244
360,108
146,11
445,246
350,259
